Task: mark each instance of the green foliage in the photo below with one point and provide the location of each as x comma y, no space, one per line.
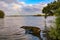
54,32
1,14
57,12
52,6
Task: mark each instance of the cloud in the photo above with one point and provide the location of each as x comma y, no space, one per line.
9,1
12,8
33,9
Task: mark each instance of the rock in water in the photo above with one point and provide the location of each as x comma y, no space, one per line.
32,30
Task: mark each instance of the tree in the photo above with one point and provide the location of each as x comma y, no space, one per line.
54,32
57,12
1,14
52,6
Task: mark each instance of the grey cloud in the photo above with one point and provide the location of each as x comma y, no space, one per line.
20,8
6,8
34,9
9,1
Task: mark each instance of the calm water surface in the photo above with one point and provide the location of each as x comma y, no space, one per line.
10,27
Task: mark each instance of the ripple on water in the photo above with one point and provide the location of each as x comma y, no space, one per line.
18,37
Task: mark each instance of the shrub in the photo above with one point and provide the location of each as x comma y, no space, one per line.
1,14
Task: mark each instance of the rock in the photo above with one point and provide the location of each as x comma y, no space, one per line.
32,30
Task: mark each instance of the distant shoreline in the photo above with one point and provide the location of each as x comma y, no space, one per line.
24,15
19,15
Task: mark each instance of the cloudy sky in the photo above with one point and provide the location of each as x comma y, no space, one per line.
23,7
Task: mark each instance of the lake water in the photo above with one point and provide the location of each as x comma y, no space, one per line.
10,27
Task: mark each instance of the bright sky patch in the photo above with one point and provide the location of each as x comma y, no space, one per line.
35,1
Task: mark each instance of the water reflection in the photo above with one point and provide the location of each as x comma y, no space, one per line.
1,23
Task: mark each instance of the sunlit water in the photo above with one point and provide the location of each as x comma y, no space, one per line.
10,27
